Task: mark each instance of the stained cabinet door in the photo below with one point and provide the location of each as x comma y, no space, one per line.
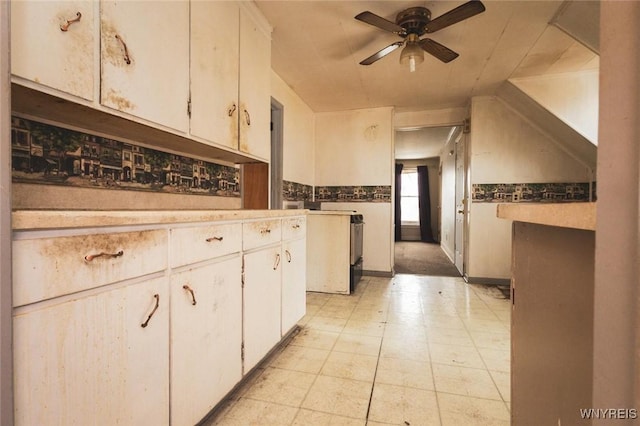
206,338
53,44
145,60
255,88
262,300
89,359
214,71
294,283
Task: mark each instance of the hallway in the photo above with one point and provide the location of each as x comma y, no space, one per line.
411,350
420,258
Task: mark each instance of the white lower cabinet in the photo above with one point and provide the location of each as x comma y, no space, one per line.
262,303
294,295
206,338
88,360
150,325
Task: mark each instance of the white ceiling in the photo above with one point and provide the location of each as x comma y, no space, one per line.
317,47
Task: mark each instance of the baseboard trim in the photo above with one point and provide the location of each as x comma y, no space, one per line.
377,274
488,281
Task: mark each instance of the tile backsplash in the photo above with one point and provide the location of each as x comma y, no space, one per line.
532,192
51,155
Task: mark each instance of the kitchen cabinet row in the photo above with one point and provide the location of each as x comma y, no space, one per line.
153,325
193,68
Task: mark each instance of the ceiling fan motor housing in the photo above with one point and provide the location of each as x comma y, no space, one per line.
414,20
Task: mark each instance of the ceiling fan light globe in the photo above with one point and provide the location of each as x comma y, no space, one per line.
411,55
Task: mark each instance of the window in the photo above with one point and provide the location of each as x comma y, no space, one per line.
409,197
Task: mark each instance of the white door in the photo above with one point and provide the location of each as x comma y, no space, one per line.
255,89
294,294
461,203
88,360
206,338
215,44
52,43
262,300
145,60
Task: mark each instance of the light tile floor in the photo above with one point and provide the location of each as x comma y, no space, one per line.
409,350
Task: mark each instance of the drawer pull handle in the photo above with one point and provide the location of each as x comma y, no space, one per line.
127,59
214,239
232,109
90,257
193,295
296,226
277,261
155,308
247,117
265,231
288,255
65,27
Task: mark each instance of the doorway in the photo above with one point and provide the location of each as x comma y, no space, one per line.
425,244
277,124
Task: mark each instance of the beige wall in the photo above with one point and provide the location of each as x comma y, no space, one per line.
298,134
572,97
356,148
506,148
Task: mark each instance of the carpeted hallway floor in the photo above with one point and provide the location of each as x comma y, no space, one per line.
418,258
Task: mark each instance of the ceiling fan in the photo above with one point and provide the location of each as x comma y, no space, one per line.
413,23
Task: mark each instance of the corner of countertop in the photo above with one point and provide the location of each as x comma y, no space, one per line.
576,215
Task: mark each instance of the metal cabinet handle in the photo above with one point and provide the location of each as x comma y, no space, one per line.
127,58
247,117
296,226
265,231
65,27
190,290
232,109
155,308
90,257
288,255
214,239
277,261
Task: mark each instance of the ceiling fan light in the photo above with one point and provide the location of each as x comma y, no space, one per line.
412,55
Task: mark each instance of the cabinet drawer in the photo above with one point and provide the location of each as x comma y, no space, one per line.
261,233
294,228
50,267
190,245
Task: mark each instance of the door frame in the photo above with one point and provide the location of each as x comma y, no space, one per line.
277,145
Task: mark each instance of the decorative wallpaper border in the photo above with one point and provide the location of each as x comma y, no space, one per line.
531,192
293,191
349,194
46,154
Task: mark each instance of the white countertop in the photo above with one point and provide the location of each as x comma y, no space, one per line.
565,215
332,212
55,219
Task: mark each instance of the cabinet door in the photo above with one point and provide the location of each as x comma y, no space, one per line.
294,283
145,60
262,275
206,338
214,71
255,88
43,53
89,360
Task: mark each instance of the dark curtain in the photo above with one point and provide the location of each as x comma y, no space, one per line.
398,211
424,204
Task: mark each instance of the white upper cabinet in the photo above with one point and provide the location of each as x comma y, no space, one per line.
53,44
145,60
255,88
214,71
231,77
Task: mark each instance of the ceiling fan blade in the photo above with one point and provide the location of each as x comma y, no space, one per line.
382,53
439,51
460,13
380,22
